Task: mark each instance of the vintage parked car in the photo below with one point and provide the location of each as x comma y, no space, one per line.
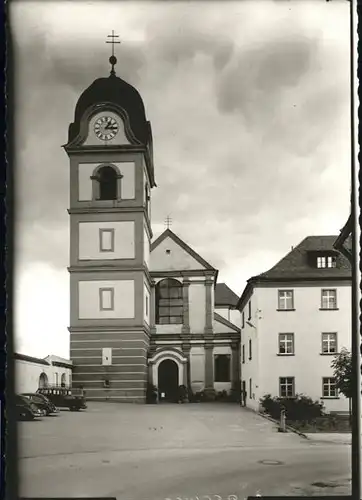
26,410
41,402
62,397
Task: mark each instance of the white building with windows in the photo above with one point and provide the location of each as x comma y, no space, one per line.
294,319
32,373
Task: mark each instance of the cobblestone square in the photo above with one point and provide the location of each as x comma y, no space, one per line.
169,451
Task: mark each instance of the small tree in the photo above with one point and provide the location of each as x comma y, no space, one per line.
342,368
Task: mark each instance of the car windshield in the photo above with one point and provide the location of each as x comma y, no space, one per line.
40,396
23,399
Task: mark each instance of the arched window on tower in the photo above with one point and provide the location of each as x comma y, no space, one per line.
169,302
108,179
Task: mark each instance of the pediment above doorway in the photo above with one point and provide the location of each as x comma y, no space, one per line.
167,353
168,371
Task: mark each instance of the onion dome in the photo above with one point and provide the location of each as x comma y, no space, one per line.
113,90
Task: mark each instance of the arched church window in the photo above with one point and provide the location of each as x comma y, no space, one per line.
107,178
169,302
43,380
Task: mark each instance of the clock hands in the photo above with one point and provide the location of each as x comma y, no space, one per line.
106,128
110,126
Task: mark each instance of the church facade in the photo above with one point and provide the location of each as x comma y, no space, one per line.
141,312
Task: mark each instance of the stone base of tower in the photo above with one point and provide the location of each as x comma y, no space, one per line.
117,395
125,379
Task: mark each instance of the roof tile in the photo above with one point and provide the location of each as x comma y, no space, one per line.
224,296
297,263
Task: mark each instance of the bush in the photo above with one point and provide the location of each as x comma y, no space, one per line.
198,396
271,406
327,423
221,396
183,394
203,397
300,408
191,395
209,396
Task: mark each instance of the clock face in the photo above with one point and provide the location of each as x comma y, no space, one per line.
106,127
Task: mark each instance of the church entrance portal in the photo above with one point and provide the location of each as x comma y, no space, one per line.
168,380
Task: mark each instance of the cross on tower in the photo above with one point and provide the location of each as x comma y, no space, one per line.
168,222
113,59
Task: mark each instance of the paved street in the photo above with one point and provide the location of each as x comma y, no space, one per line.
174,451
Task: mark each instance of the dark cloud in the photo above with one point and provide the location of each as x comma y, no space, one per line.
254,84
177,47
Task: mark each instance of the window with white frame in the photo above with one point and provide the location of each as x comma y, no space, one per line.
250,388
286,387
326,261
286,343
285,300
169,302
329,299
250,349
329,387
329,343
321,262
106,299
332,261
106,240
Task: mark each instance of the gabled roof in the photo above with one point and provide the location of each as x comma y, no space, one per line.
47,361
297,265
31,359
59,361
224,296
169,234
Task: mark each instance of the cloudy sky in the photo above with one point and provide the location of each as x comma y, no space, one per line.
249,105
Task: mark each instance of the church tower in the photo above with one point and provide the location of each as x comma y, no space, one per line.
111,176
